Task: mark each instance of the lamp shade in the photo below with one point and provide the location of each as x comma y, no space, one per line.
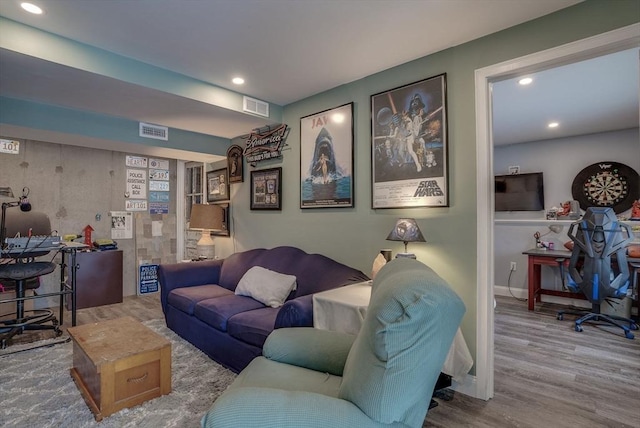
207,217
406,230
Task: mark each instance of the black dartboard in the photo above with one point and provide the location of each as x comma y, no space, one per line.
606,184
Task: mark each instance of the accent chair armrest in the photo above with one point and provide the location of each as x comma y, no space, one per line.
320,350
253,406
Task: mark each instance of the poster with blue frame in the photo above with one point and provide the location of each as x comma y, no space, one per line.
148,279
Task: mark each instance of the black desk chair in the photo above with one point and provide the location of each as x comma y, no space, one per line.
596,238
20,268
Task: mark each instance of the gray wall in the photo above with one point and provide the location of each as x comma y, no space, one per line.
559,160
74,184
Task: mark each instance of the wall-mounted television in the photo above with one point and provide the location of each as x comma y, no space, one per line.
519,192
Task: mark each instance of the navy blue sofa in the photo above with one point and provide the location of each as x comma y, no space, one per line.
199,303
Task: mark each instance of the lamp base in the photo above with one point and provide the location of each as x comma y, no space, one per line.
205,247
405,256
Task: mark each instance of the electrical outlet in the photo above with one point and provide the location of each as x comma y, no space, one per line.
513,266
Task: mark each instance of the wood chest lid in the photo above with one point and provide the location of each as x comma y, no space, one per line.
113,340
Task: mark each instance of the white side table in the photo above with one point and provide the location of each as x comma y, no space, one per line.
343,309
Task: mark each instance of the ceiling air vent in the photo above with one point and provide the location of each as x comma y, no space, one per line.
157,132
251,105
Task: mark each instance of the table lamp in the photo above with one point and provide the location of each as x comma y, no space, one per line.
406,230
207,218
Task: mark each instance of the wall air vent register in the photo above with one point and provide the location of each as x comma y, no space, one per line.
156,132
251,105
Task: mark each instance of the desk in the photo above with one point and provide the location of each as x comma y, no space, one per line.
538,257
343,309
99,279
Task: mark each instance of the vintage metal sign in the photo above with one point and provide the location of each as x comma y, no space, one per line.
265,145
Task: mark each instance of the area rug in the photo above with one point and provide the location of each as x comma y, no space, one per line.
36,389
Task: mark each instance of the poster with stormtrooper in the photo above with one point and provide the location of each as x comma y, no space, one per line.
326,158
409,145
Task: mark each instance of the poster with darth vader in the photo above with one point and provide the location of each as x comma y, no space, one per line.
409,145
326,158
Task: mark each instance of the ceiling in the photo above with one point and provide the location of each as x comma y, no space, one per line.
286,51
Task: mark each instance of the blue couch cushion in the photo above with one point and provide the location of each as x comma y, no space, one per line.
253,327
217,311
186,298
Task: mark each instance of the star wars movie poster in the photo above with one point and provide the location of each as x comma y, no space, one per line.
409,145
326,158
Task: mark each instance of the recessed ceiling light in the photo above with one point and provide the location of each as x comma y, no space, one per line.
238,80
525,81
31,8
553,124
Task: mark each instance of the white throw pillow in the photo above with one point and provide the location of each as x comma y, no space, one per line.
266,286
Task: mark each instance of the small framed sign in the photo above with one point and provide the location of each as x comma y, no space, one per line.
266,189
218,185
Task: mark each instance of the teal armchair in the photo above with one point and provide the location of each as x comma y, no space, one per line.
383,377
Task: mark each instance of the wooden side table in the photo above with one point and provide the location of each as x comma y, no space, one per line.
119,363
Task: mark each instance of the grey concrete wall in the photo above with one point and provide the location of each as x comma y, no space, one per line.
78,186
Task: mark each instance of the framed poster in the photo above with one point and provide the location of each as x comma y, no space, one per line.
266,189
235,164
218,185
326,159
409,146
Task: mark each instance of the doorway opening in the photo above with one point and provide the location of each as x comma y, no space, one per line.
613,41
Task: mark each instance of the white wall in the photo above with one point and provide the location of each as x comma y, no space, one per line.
559,160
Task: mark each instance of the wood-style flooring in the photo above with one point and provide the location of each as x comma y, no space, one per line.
546,374
549,375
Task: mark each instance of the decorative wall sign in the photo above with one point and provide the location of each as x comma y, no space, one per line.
218,185
235,164
409,146
326,158
264,145
606,184
136,184
266,189
11,147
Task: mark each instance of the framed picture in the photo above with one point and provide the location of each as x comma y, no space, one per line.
235,164
226,225
218,185
326,159
266,189
409,146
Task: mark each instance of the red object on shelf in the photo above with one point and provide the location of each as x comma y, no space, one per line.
87,235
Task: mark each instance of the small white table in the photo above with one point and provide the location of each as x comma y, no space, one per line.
343,309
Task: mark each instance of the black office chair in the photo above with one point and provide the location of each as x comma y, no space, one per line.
19,268
596,238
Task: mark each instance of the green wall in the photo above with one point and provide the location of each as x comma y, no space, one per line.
355,235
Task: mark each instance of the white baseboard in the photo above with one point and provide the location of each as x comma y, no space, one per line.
521,293
467,387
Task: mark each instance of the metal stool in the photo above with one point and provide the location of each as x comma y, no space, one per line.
25,320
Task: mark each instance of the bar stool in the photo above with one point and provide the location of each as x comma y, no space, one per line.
25,320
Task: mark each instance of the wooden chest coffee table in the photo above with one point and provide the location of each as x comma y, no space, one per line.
119,363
